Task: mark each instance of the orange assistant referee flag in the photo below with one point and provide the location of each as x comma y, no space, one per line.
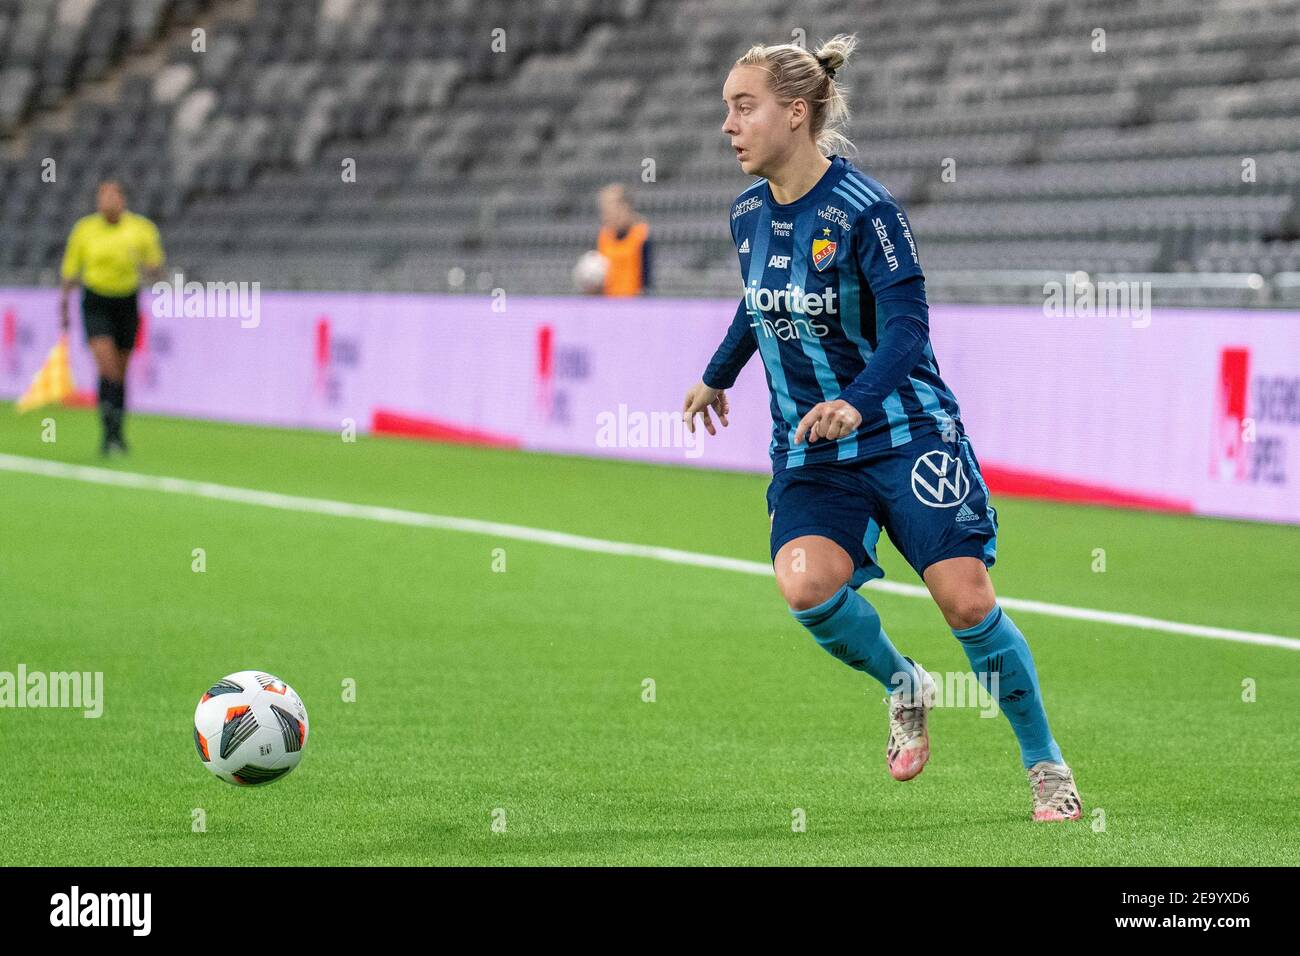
53,381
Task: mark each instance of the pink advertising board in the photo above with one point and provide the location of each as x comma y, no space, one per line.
1195,410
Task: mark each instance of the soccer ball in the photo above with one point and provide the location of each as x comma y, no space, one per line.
250,728
589,273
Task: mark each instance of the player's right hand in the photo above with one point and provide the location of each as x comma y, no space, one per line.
699,399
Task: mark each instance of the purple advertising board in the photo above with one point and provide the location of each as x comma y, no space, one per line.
1189,410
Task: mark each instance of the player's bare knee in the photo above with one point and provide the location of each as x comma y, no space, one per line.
802,590
967,610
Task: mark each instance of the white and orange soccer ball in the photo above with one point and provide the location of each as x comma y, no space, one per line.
250,728
589,272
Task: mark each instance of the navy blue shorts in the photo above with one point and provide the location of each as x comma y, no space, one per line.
928,495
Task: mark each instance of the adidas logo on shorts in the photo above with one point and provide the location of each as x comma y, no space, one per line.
965,514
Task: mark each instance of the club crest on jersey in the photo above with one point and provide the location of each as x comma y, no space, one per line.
823,251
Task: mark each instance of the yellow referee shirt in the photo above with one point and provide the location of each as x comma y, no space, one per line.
107,256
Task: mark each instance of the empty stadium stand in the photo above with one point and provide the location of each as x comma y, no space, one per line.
1174,154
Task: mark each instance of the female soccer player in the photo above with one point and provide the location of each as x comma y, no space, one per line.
866,435
107,252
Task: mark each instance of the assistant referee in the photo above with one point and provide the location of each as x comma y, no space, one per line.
108,252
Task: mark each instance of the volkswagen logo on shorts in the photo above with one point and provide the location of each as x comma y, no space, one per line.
939,480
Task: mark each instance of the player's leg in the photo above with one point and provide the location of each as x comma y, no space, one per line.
956,572
942,520
998,653
124,359
1000,657
99,314
109,364
823,549
126,325
813,574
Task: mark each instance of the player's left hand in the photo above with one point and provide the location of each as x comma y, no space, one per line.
829,420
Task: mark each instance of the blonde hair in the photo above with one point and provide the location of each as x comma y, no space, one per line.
794,73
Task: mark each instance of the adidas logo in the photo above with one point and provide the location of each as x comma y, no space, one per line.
965,514
744,246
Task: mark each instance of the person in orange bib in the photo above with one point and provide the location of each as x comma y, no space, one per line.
624,241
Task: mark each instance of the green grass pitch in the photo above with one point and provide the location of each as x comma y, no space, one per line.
522,690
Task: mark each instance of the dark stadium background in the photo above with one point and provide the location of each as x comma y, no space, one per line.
1067,158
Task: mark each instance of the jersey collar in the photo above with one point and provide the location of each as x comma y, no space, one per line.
823,186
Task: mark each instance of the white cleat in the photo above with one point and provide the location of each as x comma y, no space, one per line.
908,747
1055,795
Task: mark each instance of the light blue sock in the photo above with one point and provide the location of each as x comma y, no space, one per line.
849,629
995,645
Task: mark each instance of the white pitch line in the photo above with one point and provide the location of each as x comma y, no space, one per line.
560,539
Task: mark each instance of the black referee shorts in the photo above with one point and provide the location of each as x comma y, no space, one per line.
115,316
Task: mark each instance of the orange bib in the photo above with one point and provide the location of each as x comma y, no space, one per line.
624,255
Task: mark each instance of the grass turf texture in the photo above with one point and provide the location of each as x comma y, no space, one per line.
522,690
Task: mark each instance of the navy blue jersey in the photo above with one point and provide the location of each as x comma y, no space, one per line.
822,276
